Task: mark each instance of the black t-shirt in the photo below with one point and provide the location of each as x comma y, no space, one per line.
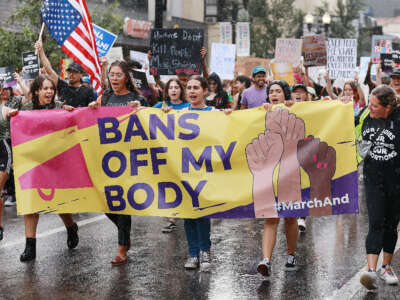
76,97
220,101
111,99
321,91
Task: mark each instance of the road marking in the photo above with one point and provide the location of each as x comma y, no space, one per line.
353,285
53,231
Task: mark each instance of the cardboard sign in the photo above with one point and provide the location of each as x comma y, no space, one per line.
288,50
140,80
223,60
386,62
6,77
342,58
243,39
30,64
245,65
314,50
176,51
104,40
283,71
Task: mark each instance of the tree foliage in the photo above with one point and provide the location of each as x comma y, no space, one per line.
24,25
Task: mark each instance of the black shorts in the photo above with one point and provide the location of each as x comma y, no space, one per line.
5,156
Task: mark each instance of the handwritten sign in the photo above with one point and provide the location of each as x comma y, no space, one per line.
288,50
314,50
342,58
176,51
115,53
30,63
104,40
6,77
386,62
245,65
223,60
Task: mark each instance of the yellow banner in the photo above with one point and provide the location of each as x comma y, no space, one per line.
187,163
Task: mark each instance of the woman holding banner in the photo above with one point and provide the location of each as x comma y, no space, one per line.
380,130
123,92
43,91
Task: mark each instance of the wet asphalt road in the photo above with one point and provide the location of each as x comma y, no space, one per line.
330,256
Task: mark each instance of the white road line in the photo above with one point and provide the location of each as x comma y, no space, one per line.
53,231
353,285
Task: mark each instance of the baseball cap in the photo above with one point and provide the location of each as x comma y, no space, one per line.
300,85
258,70
395,73
311,91
75,68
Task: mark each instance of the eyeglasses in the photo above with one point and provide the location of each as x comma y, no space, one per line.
116,75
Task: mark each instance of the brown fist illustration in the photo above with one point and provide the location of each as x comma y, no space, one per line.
319,161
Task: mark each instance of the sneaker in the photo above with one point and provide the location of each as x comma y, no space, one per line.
264,267
387,274
171,226
368,280
291,263
73,238
205,260
302,224
192,263
10,201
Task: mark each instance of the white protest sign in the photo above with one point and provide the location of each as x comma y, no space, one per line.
223,60
225,36
243,38
115,53
288,50
142,58
342,58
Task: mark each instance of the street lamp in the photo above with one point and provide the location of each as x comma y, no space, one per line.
326,21
309,19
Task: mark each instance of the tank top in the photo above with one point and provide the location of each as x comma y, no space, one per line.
3,124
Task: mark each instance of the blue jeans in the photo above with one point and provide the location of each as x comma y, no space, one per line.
198,235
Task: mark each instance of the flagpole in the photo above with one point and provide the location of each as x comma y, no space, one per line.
40,35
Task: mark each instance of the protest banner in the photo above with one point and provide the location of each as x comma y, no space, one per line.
223,60
243,39
30,65
342,58
283,71
288,50
314,50
115,53
386,62
147,162
7,77
380,44
104,40
396,53
245,65
176,51
225,32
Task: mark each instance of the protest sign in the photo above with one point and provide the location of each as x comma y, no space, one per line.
104,40
283,71
115,53
30,64
64,63
176,51
380,44
245,65
223,60
342,58
243,38
225,35
142,58
288,50
7,77
140,80
314,50
147,162
386,62
396,53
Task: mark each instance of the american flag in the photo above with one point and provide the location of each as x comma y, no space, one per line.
69,24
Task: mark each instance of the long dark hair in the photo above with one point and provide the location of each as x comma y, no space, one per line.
182,95
126,70
284,86
36,85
